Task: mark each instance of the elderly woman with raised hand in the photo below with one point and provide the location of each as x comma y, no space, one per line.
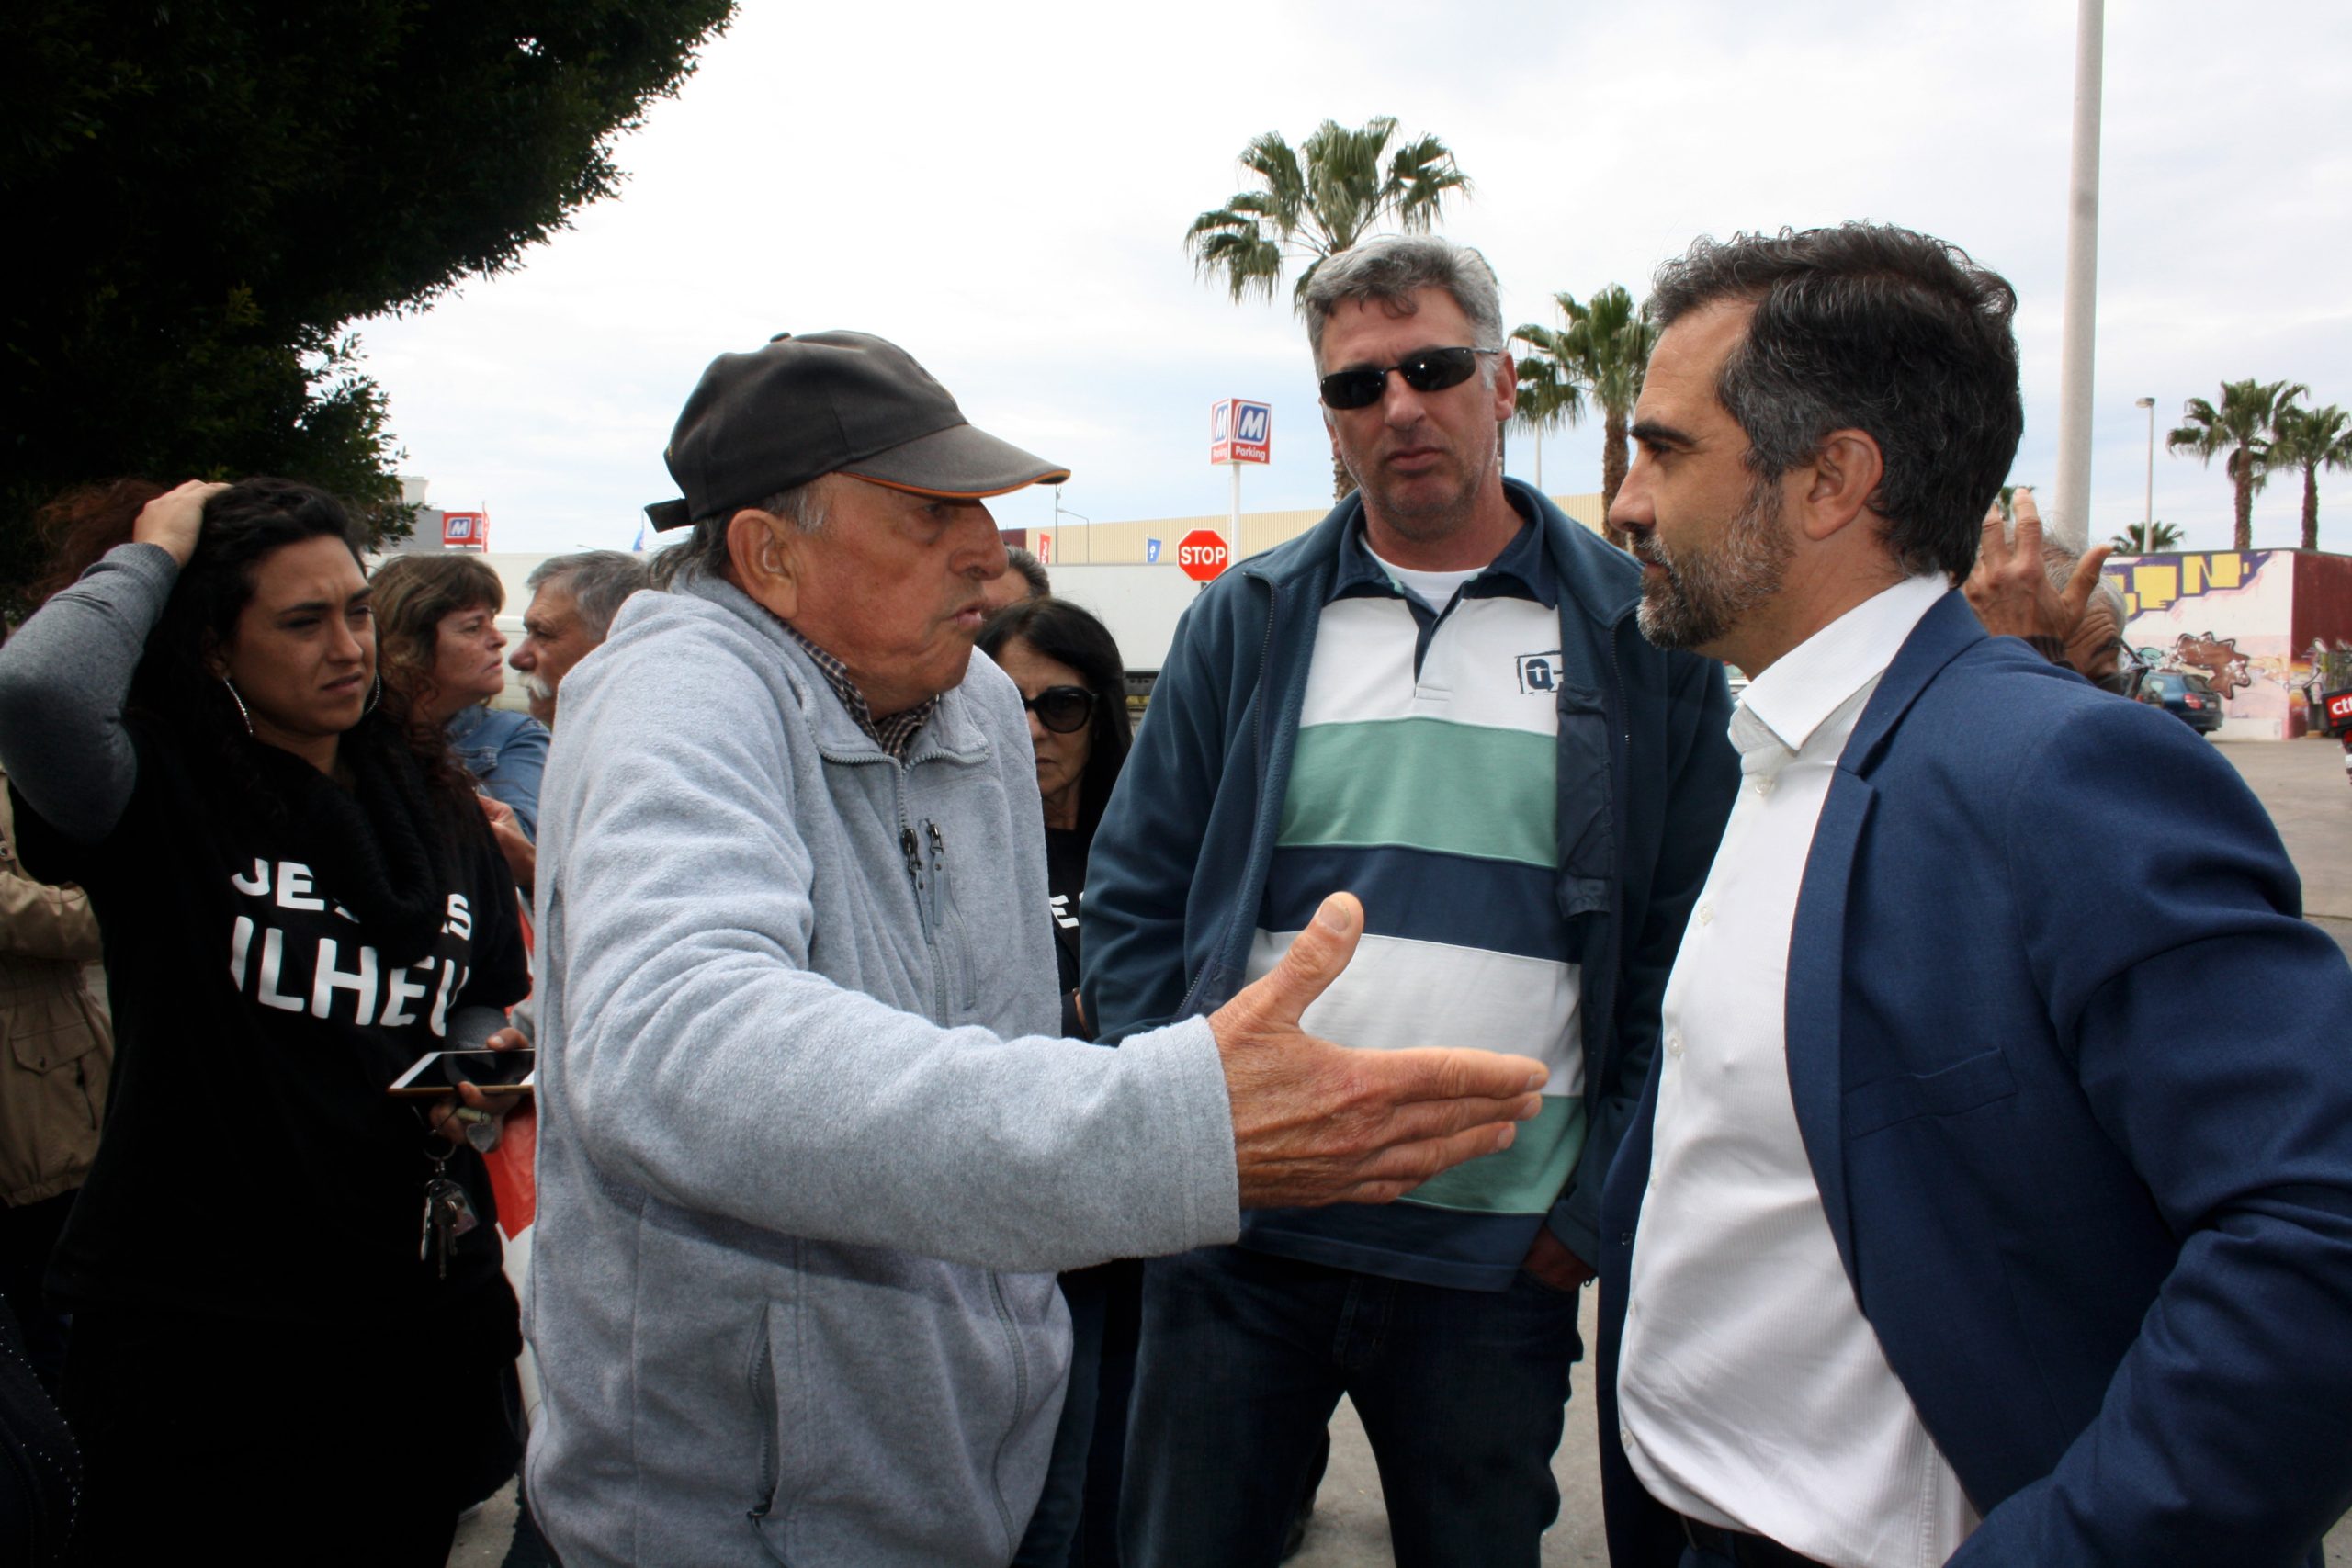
298,898
1073,685
437,616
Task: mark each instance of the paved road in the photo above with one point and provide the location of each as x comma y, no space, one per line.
2302,782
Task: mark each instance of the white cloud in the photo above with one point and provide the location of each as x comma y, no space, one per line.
1003,190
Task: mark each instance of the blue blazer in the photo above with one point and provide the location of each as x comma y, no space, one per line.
2072,1075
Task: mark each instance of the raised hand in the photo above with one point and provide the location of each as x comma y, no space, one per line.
173,519
2010,592
1315,1122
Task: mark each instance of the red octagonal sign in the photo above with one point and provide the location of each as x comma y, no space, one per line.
1200,553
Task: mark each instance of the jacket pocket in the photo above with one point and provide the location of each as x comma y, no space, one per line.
954,944
767,1419
49,1133
46,1031
1585,813
1967,1085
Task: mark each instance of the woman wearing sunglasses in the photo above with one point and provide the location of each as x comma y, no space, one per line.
298,897
1074,685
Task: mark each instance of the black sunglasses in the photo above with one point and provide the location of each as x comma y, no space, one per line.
1065,710
1429,370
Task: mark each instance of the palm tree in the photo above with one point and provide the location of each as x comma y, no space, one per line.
2241,427
1549,398
1602,351
2147,539
1319,200
2311,439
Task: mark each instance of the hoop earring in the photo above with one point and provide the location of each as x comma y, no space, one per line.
375,696
243,711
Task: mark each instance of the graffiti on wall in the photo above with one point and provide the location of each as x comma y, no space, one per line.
2159,582
2225,614
2214,658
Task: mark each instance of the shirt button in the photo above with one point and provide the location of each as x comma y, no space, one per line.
1625,1436
1706,914
1764,784
1673,1043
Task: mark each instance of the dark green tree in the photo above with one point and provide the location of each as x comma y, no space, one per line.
2311,439
203,195
1317,201
2240,429
2147,540
1602,353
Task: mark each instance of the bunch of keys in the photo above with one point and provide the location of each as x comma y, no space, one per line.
449,1214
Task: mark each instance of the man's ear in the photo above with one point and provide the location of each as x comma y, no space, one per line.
1506,386
763,548
1838,487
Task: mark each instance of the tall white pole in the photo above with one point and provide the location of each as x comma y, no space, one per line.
2072,515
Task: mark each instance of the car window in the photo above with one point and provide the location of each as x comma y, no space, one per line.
2198,683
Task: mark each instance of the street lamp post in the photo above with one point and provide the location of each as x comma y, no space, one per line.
2148,509
1062,511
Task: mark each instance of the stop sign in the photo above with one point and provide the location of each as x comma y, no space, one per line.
1200,553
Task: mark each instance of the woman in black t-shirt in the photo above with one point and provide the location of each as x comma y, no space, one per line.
1074,685
295,902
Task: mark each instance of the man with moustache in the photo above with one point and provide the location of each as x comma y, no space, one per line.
573,600
1436,699
1991,1201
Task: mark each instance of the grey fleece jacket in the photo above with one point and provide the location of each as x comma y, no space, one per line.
805,1167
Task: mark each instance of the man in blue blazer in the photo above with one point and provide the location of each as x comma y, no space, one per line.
1990,1199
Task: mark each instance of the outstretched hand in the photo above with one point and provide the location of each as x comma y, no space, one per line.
522,855
2010,592
1315,1122
173,519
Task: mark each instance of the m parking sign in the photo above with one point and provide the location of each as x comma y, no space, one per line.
1240,432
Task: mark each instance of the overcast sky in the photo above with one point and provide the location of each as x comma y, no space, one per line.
1003,190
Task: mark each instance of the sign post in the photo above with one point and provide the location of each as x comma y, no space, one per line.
1239,432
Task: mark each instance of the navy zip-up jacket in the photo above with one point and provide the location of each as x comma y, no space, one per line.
1646,775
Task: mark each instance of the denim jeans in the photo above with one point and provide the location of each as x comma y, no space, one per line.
1245,1355
1051,1539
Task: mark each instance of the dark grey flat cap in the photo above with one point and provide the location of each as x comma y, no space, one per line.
830,403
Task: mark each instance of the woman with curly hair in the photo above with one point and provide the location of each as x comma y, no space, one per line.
297,896
436,622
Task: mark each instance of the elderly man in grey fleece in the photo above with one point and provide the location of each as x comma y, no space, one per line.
808,1157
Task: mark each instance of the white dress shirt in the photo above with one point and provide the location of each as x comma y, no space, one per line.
1752,1392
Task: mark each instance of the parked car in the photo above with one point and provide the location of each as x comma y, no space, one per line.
2188,696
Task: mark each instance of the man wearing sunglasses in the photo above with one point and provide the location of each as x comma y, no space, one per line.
1436,699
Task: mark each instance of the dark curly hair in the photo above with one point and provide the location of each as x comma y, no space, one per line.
1068,634
174,686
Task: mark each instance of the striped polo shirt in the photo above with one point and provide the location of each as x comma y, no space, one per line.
1424,780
